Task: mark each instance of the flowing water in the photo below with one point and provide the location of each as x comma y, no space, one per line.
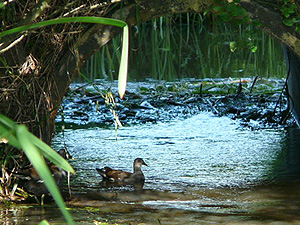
202,170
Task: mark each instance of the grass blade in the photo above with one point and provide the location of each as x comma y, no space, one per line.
50,154
80,19
39,164
124,63
7,128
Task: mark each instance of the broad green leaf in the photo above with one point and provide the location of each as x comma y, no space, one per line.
39,164
235,10
286,11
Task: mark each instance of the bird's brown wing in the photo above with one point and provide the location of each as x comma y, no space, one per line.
118,174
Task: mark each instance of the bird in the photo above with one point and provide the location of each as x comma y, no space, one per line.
111,175
31,180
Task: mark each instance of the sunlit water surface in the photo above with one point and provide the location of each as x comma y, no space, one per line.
202,151
202,170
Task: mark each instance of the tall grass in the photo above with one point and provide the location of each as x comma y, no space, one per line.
190,45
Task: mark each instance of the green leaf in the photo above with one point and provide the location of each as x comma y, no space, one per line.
44,222
50,154
83,19
225,17
233,46
287,11
298,28
8,134
217,8
20,137
235,10
35,157
124,63
7,130
239,21
253,48
256,23
289,22
208,10
7,122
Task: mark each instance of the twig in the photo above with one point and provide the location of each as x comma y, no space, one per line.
239,89
12,44
214,108
254,81
75,10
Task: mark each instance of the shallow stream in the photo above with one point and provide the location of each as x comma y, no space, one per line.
202,170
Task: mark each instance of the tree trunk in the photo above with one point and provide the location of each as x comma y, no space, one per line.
271,20
24,92
293,82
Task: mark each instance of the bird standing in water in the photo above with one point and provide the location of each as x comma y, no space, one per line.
122,177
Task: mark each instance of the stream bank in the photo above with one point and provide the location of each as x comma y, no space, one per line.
255,102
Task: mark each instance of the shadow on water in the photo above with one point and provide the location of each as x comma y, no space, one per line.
286,166
203,169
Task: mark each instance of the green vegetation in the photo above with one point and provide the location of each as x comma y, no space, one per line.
230,11
19,137
190,45
291,12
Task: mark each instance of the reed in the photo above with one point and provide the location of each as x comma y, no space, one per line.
193,46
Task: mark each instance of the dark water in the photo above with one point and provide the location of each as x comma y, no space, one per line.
202,170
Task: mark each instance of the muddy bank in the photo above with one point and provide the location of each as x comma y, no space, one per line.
255,103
